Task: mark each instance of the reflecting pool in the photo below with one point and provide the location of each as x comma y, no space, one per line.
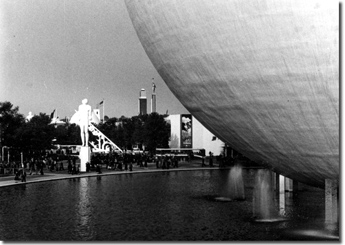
161,206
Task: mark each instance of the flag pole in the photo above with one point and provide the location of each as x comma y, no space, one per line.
103,110
56,118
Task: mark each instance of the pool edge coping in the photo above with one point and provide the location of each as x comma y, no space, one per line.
83,175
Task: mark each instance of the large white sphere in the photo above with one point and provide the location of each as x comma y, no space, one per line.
261,75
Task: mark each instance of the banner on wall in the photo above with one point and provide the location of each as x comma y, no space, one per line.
186,131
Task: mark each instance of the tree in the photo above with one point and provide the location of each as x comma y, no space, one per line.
108,128
156,132
10,122
150,130
73,134
138,134
36,135
67,134
128,128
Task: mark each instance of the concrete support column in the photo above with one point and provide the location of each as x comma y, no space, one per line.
331,201
281,194
288,184
277,183
274,186
281,184
295,186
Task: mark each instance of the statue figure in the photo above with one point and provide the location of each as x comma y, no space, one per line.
28,118
153,87
84,112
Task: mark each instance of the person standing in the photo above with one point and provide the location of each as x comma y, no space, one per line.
41,166
125,161
74,169
145,160
31,165
23,177
87,167
140,159
173,161
52,163
211,159
164,160
157,161
37,163
69,167
98,169
131,164
176,161
74,159
61,166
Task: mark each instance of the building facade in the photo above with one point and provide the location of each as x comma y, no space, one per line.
142,104
188,132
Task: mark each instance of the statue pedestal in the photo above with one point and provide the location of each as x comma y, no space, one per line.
84,156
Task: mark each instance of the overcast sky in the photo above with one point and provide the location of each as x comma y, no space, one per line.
54,53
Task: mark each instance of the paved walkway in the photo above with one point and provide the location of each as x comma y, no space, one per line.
58,175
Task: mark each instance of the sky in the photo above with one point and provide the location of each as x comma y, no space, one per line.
55,53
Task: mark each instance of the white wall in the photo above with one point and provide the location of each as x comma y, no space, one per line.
202,138
215,146
197,134
175,137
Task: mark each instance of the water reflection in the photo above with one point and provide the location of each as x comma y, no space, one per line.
233,187
152,207
21,189
313,232
84,224
264,209
236,183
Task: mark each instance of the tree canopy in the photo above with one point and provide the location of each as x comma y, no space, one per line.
10,122
150,131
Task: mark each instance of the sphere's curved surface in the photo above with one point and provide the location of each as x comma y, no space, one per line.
261,75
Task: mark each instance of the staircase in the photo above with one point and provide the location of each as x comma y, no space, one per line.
103,143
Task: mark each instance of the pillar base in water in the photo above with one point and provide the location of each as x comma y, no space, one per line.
312,234
223,199
228,199
271,220
331,201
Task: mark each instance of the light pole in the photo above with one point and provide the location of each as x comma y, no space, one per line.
3,154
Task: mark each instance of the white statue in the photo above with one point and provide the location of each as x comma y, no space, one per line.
84,112
154,87
29,116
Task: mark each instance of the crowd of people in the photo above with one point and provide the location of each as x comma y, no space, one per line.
120,161
37,164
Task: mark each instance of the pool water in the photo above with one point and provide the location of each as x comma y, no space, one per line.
162,206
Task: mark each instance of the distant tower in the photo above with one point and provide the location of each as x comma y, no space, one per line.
142,106
153,98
